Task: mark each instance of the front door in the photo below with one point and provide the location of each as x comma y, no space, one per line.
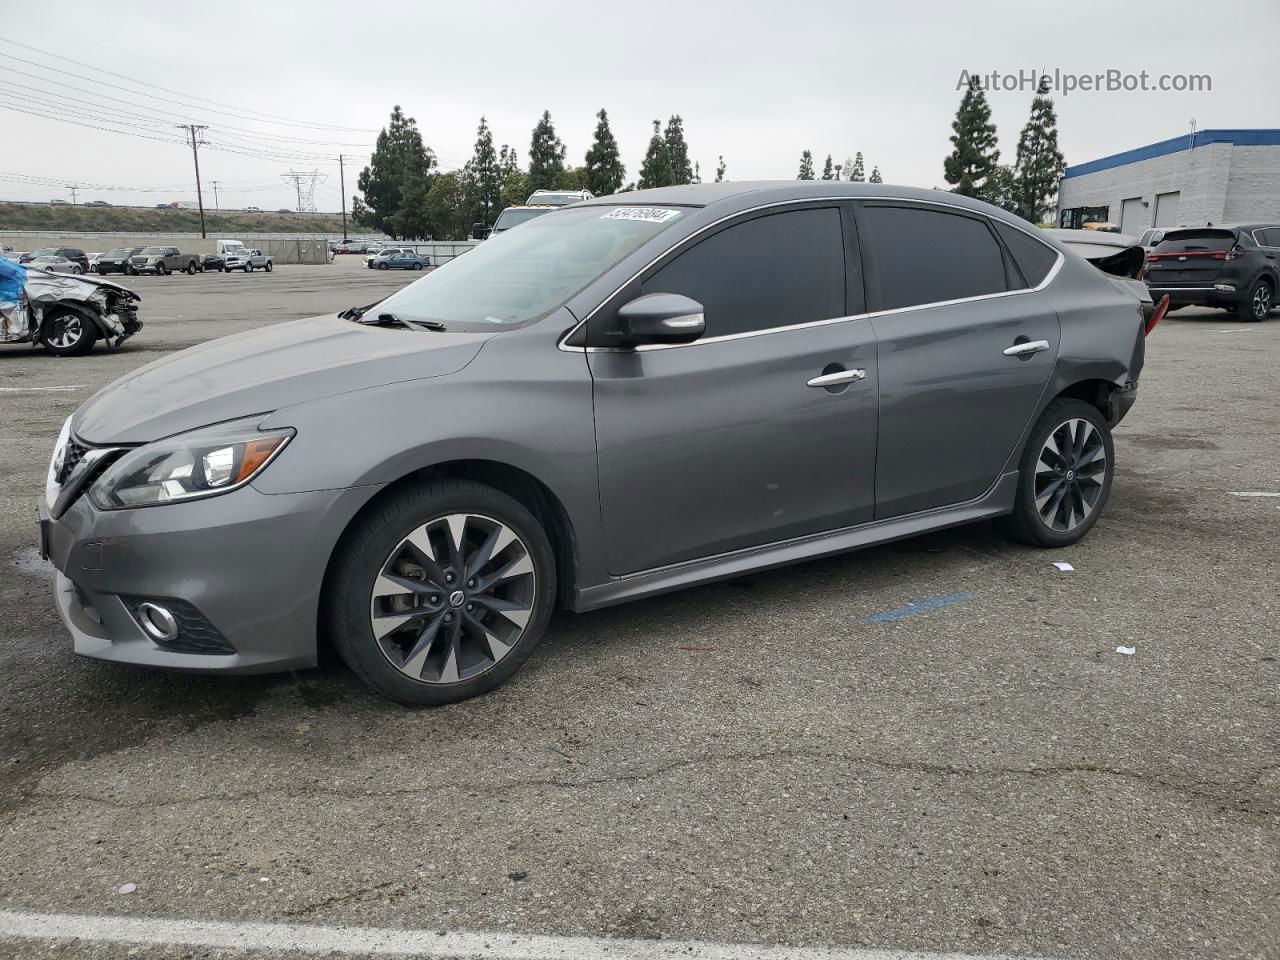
723,444
963,358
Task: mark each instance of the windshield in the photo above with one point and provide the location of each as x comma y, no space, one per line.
117,253
43,252
555,199
153,251
522,274
512,216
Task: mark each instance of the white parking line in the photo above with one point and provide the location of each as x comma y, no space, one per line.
72,386
308,938
1252,493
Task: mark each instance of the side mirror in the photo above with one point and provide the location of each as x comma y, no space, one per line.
661,318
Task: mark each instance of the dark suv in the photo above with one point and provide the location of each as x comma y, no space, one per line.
74,254
1235,268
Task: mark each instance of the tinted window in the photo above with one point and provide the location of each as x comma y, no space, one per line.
772,271
927,256
1271,236
1034,259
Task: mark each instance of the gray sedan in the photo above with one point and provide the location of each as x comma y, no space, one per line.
52,264
624,397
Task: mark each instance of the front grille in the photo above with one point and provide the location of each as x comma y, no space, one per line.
195,633
72,454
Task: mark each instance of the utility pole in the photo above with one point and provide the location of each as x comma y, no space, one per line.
193,129
215,194
73,195
342,183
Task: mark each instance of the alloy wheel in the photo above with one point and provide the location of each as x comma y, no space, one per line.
67,331
1070,473
1262,301
453,598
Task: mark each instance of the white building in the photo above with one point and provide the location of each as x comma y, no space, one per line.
1217,176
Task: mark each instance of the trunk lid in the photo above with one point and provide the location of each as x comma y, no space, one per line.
1189,258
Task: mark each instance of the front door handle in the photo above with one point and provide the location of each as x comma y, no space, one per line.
1026,349
837,378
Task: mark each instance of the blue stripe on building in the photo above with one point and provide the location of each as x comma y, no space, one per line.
1240,138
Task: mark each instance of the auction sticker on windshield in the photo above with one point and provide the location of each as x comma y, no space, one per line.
643,214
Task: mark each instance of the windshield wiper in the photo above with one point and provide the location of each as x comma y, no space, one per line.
385,318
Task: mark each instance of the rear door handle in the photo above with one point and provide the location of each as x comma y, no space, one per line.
837,378
1026,349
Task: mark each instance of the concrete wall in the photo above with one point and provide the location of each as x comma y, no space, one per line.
1218,182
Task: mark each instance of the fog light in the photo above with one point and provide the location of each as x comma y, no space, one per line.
158,622
1225,287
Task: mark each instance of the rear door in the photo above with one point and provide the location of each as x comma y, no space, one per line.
724,444
1192,258
953,402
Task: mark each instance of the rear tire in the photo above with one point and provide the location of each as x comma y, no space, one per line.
161,269
444,637
1260,300
1064,476
268,266
191,269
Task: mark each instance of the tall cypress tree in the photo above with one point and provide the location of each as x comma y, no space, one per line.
546,156
508,161
858,173
1040,163
697,172
720,170
806,166
397,178
484,177
678,151
875,176
656,170
828,169
974,155
605,172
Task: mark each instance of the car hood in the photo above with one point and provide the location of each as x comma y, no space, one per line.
263,370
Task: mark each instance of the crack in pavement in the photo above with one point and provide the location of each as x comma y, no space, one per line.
1226,805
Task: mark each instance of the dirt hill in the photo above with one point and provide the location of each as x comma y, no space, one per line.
80,219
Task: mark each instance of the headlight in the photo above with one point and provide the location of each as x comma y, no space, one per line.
202,463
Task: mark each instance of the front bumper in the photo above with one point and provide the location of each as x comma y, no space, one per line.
251,564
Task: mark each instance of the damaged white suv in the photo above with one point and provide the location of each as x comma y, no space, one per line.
64,313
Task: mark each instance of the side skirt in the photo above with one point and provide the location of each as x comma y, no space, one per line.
996,501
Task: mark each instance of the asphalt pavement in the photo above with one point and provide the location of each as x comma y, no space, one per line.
755,763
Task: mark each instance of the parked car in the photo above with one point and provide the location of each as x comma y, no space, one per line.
400,260
248,261
97,203
284,210
1232,267
163,260
52,264
514,216
65,314
58,203
1151,236
385,251
627,404
212,261
353,246
71,253
115,261
557,198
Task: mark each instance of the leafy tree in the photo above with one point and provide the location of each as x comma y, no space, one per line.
484,178
605,172
828,171
857,173
1040,163
720,170
678,151
806,166
546,156
508,161
361,215
656,170
974,156
847,170
399,172
875,176
1001,188
697,172
515,189
445,206
574,178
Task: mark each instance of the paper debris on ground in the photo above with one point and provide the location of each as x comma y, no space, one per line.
1126,651
1063,565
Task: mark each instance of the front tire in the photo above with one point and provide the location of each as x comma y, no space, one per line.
440,592
267,267
248,268
191,269
1259,302
68,333
1064,476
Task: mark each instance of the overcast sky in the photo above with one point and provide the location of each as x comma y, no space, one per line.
756,82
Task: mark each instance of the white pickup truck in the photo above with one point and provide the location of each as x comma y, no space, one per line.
246,260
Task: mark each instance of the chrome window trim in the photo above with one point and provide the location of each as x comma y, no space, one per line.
1049,278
